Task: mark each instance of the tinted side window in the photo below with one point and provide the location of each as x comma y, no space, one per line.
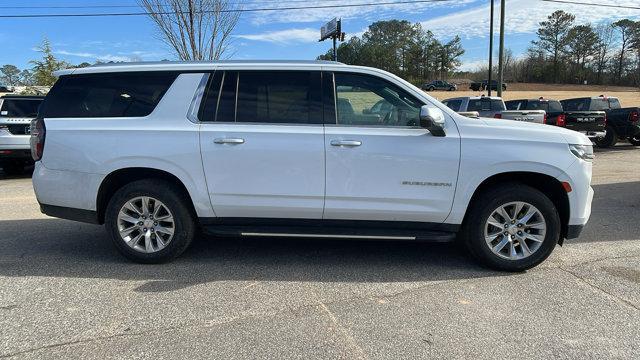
20,108
497,105
227,104
279,97
479,105
576,104
614,103
367,100
209,105
454,104
599,104
132,94
513,105
555,106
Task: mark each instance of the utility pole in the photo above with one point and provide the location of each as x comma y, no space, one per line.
501,50
490,48
335,51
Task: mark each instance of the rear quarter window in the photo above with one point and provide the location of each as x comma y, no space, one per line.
127,94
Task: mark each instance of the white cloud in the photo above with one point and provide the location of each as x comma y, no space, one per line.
360,12
101,57
522,17
282,37
473,65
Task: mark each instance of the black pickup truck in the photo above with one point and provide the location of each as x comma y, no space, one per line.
622,123
590,123
483,85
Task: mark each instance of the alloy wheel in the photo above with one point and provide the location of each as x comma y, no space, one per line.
515,230
146,224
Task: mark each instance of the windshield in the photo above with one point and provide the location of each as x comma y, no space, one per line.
20,108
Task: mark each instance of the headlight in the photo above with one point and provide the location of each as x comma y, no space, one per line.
584,152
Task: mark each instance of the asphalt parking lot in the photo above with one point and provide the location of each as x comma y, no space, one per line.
66,293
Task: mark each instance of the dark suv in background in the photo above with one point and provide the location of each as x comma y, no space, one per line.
439,85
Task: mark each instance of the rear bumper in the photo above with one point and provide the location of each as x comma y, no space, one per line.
594,134
13,154
86,216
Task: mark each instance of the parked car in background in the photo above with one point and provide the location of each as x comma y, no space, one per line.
482,85
622,123
155,151
439,85
16,113
6,88
590,123
492,106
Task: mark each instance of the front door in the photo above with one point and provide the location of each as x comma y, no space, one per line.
262,144
380,164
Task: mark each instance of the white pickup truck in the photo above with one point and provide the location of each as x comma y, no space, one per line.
493,107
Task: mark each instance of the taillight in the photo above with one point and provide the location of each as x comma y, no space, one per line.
38,133
544,119
633,116
497,116
562,120
605,119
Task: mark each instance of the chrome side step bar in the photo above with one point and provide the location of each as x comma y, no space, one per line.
328,236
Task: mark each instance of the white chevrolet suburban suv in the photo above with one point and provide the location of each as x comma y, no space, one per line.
155,151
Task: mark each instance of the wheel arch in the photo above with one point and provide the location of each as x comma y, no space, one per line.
546,184
118,178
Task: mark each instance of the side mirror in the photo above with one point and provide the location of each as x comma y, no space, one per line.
367,111
432,119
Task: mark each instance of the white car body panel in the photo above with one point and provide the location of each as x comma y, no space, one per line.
284,171
397,174
278,172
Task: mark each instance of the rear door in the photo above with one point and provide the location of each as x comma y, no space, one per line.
383,166
262,144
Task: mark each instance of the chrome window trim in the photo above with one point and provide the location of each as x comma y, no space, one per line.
194,107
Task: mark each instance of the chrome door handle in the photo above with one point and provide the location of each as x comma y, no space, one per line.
349,143
236,141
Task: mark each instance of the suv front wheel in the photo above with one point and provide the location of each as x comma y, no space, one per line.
149,221
513,228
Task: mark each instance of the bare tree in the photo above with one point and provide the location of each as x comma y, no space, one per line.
605,36
194,29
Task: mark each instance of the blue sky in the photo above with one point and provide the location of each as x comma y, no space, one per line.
276,35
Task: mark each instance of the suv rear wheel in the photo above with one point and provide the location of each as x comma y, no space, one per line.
513,228
149,221
635,141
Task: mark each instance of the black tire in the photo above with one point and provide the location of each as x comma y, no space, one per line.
472,233
173,199
635,141
452,89
431,88
609,139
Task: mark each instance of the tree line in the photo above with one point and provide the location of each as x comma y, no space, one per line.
566,52
402,48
